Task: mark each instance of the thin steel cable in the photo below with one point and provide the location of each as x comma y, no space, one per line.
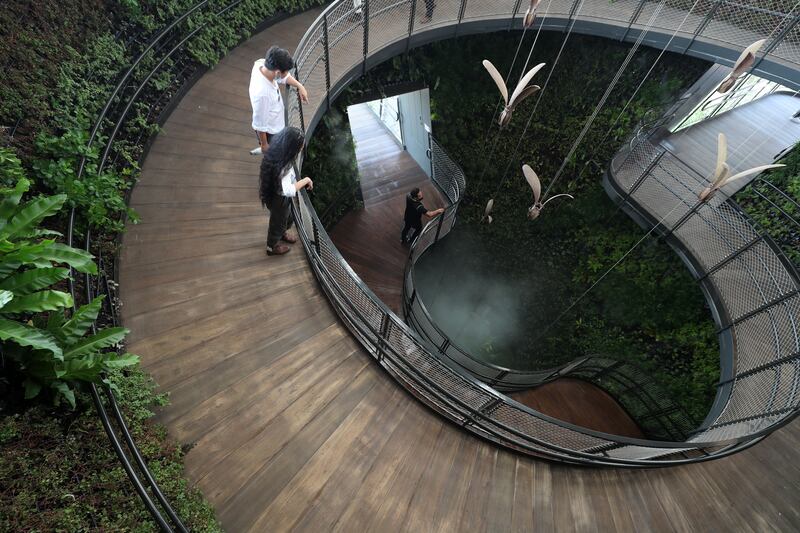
604,98
539,99
524,68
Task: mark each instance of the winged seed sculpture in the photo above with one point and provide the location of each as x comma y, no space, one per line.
533,180
722,172
530,14
487,213
742,65
521,92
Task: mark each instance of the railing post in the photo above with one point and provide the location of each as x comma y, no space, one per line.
411,18
326,42
703,25
383,335
439,227
572,11
366,36
636,13
514,14
315,232
461,11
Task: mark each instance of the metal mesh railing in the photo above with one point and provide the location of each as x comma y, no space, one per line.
339,45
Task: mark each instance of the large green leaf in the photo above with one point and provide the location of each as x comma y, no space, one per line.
34,279
65,391
121,361
103,339
37,302
77,326
5,297
28,336
77,259
10,200
26,219
86,368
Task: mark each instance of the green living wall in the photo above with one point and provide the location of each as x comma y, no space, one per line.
499,288
60,62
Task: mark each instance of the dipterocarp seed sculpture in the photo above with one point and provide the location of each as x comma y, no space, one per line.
521,92
533,180
742,65
530,14
722,172
487,213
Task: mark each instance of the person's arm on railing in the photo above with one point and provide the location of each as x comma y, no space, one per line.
435,212
290,80
304,183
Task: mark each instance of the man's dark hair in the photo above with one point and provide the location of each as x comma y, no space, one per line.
415,192
278,59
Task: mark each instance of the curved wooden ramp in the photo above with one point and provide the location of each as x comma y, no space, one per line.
292,425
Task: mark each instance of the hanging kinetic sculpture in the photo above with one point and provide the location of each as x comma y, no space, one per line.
745,61
722,175
533,180
487,213
530,14
521,92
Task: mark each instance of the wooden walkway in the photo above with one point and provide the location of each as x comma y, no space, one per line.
756,132
292,426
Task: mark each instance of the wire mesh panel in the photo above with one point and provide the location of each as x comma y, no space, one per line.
442,13
682,16
616,11
388,22
769,336
478,9
311,69
755,278
716,233
345,38
740,24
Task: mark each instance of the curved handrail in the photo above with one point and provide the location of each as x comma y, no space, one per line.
327,66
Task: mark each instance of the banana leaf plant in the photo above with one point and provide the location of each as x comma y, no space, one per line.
52,350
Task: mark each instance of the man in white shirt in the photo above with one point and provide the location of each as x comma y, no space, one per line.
265,94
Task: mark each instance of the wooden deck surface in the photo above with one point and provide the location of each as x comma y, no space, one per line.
757,131
293,427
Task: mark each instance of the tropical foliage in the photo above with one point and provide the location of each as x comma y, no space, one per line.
52,351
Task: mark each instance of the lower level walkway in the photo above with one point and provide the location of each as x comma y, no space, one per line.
369,238
290,425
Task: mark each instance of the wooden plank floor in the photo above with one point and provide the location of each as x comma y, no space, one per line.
292,426
757,131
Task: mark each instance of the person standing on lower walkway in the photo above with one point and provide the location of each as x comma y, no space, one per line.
266,77
429,5
278,185
413,215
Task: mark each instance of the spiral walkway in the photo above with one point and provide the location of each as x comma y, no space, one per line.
291,424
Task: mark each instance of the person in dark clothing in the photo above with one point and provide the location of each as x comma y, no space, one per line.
413,215
278,185
429,5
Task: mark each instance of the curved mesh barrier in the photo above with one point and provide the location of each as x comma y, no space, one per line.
763,386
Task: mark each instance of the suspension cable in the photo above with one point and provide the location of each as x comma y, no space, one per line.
539,99
604,98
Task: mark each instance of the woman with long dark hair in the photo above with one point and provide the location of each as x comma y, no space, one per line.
278,184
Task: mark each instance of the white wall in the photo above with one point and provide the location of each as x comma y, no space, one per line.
415,113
